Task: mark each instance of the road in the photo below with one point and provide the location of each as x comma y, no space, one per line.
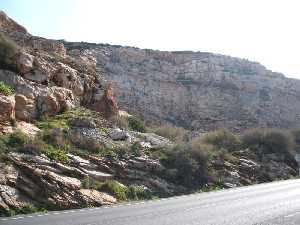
264,204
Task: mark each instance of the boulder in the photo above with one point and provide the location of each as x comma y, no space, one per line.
107,105
147,164
156,140
25,108
55,100
7,109
24,63
119,135
10,198
68,77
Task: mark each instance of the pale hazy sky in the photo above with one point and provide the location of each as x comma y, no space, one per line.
266,31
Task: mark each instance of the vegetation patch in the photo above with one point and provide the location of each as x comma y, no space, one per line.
223,139
5,89
9,51
136,124
266,141
176,134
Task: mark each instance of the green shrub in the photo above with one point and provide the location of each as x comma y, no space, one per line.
114,188
5,89
106,152
9,50
176,134
266,141
136,124
18,139
188,165
56,154
222,139
45,122
26,209
90,183
134,192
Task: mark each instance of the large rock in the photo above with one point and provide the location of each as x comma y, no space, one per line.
25,63
107,104
7,109
68,77
119,135
10,198
55,100
25,108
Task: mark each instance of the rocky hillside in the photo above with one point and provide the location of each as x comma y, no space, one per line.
65,144
197,90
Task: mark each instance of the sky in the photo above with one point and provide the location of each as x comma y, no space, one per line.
266,31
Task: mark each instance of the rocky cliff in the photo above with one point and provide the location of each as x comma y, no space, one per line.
197,90
45,78
65,144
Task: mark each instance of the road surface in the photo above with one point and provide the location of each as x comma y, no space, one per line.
264,204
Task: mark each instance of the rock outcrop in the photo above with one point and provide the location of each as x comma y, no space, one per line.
47,80
197,90
7,109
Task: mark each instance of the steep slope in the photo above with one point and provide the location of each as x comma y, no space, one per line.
65,144
46,79
197,90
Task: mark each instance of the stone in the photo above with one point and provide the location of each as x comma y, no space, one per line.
144,163
55,100
107,104
119,135
10,198
7,109
24,63
156,140
25,108
97,198
68,77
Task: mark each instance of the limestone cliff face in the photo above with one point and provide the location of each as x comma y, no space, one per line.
198,90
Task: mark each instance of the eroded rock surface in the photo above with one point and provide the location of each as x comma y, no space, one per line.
197,90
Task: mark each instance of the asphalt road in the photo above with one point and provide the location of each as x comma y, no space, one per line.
264,204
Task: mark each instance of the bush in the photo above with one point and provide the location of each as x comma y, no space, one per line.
90,183
45,122
26,209
18,139
8,53
188,165
114,188
266,141
136,124
134,192
222,139
176,134
5,89
56,154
